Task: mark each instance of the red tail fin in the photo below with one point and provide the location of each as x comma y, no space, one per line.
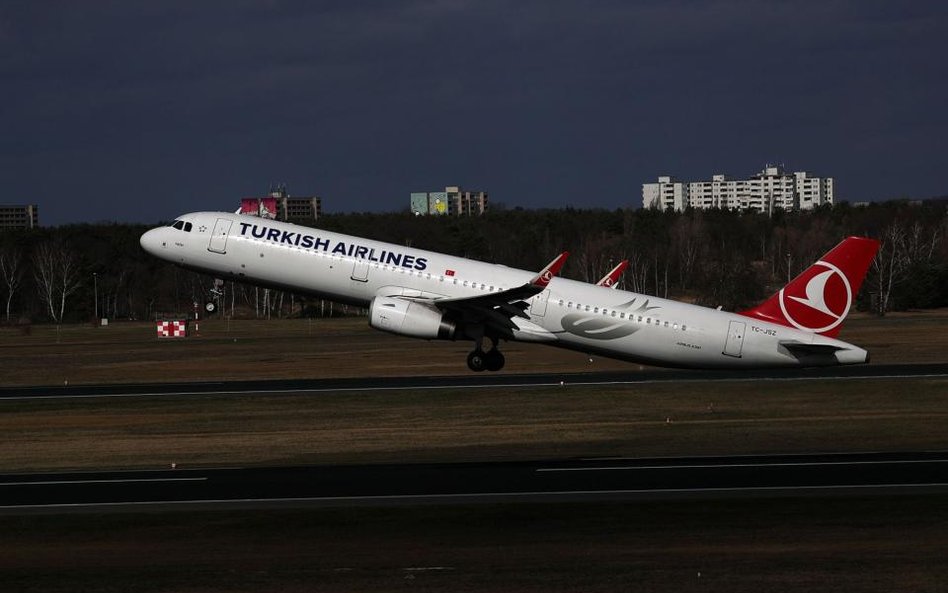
819,299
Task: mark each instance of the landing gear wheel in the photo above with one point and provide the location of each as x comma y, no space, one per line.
477,361
495,360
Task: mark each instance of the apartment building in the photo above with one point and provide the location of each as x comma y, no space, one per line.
763,192
453,201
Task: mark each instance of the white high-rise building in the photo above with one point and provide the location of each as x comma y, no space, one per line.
769,189
667,193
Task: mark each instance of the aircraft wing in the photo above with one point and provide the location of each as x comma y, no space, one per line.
519,293
496,309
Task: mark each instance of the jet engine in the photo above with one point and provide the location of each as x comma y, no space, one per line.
410,318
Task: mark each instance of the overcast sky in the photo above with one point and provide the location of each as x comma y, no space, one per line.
139,111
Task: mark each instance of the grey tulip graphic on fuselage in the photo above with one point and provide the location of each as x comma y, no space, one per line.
604,327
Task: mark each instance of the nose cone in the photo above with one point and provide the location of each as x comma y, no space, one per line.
151,241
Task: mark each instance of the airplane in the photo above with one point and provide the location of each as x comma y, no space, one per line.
429,295
612,278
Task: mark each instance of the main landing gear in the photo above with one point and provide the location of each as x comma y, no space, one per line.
492,360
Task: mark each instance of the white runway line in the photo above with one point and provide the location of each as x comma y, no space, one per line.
474,496
733,465
113,481
252,392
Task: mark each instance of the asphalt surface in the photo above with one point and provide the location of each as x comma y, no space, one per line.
572,480
567,480
475,380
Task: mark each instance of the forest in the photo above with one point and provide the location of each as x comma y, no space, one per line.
78,273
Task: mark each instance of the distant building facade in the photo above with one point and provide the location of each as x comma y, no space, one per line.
19,217
281,206
453,201
771,188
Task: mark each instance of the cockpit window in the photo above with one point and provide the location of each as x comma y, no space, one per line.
182,226
187,227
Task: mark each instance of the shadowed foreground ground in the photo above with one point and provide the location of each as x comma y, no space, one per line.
810,544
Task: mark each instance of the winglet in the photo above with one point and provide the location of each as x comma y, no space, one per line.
612,277
552,269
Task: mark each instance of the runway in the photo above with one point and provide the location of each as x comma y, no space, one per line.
474,381
471,483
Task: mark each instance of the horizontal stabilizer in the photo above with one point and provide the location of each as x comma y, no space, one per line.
801,349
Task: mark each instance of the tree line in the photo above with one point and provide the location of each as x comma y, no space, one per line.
711,257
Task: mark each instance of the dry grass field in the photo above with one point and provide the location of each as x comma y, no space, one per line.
441,425
729,418
234,350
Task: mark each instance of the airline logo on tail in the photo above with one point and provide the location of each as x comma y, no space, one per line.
826,300
819,299
550,271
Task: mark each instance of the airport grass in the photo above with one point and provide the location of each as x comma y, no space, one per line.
302,348
440,425
846,543
497,423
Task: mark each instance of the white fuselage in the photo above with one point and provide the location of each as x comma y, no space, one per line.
568,314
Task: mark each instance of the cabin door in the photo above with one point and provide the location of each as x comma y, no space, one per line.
218,242
360,270
538,307
735,339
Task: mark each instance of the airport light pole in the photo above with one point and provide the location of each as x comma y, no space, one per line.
95,291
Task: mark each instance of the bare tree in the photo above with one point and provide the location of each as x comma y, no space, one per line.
890,263
921,243
689,240
57,276
11,259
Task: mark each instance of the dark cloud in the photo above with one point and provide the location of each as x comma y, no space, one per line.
139,111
